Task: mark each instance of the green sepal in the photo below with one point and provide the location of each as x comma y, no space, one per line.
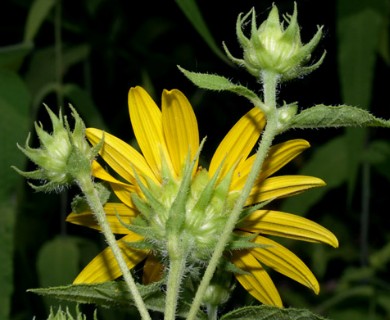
230,267
220,83
140,245
208,191
152,201
270,313
114,294
176,215
176,218
322,116
140,227
144,208
250,209
239,242
67,315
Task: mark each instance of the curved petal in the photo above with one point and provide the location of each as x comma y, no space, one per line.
239,142
285,262
99,172
112,209
146,120
104,266
278,156
287,225
282,186
120,156
122,190
180,128
258,283
124,193
153,270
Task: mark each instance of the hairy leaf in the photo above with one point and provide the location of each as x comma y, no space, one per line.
220,83
270,313
322,116
113,294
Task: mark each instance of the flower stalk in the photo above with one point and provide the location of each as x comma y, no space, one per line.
87,187
64,159
270,81
177,265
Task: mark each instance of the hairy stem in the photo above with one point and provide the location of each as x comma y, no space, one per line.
177,264
270,81
91,194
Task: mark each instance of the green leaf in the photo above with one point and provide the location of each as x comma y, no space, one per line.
193,14
378,154
12,57
270,313
14,124
39,10
220,83
113,294
359,27
41,74
58,263
322,116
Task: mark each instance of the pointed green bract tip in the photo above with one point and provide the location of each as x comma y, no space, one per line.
271,47
64,155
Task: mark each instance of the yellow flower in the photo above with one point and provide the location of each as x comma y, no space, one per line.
169,140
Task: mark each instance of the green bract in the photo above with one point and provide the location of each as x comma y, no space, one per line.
193,210
63,156
273,48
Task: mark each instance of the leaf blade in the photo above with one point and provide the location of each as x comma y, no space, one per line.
323,116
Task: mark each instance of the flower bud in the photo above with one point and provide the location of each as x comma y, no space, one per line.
273,48
285,114
219,289
63,156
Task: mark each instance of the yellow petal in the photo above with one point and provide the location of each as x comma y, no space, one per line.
123,193
180,128
239,142
146,120
287,225
112,209
120,156
122,190
153,270
99,172
282,186
285,262
104,266
257,282
278,156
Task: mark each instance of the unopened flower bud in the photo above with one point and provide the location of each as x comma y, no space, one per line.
273,48
63,155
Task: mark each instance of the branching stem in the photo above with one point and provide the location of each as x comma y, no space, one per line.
270,82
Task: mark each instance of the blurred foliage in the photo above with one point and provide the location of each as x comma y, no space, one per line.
89,53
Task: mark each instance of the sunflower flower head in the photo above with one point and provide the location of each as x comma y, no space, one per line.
64,154
169,206
271,47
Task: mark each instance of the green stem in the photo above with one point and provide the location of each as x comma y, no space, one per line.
92,196
212,312
177,264
270,82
